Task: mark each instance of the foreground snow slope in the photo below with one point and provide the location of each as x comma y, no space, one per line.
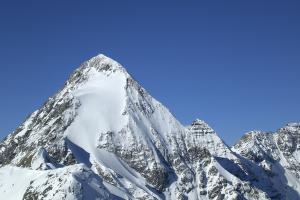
102,136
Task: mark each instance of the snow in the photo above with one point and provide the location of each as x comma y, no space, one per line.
202,135
14,181
102,104
102,101
111,161
64,183
117,191
40,160
26,124
227,175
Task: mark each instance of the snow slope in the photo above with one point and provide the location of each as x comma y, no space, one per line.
75,182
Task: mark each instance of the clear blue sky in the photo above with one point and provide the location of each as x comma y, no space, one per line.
235,64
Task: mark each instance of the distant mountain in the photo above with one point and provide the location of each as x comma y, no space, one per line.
102,136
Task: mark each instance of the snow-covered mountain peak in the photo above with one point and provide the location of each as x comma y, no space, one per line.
294,124
201,126
103,136
291,128
278,154
102,62
251,135
203,135
198,122
95,67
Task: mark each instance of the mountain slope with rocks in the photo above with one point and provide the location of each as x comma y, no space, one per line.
103,136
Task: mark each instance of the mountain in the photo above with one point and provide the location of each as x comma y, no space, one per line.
278,154
103,136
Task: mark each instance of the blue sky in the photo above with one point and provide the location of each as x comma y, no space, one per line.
235,64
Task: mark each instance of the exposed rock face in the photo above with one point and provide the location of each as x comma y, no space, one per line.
102,136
